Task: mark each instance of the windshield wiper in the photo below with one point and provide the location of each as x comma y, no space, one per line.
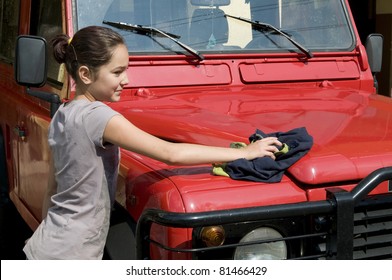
268,27
147,30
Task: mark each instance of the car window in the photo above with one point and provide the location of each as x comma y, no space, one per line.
9,14
218,26
47,22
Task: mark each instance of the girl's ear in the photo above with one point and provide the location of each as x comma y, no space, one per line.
85,75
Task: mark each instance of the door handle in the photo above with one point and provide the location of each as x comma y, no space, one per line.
20,131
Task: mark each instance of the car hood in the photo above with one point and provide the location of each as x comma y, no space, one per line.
351,130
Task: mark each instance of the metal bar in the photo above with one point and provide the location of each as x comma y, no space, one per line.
340,203
370,182
190,220
341,239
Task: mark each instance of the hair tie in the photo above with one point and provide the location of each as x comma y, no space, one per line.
69,41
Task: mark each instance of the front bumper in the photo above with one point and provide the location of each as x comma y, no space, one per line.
347,225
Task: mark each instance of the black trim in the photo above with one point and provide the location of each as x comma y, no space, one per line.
4,198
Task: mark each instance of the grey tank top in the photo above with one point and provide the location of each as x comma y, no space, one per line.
86,171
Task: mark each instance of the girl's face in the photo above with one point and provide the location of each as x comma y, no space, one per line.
112,77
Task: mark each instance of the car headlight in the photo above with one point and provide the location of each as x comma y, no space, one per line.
276,250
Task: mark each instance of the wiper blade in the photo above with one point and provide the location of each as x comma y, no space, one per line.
266,26
141,29
146,30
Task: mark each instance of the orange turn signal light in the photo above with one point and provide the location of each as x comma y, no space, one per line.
213,235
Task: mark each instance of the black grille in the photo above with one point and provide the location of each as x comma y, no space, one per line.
373,229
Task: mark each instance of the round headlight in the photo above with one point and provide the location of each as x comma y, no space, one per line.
267,251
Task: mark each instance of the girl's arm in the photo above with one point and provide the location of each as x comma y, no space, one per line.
121,132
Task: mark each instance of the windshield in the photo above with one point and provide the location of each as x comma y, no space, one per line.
218,26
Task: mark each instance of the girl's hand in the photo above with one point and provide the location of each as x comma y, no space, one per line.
265,147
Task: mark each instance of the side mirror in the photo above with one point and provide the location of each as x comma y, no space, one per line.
31,61
374,46
31,68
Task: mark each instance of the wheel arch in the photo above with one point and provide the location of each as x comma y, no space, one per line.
121,241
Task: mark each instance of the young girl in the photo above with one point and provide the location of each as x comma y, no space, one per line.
85,136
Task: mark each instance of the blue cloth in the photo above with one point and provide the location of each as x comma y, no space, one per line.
265,169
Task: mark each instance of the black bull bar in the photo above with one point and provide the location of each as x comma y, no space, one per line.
338,202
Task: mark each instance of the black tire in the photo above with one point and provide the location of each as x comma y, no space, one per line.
120,243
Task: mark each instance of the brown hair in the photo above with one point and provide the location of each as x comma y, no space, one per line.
91,46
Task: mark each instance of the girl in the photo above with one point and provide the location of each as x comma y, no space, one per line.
85,135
